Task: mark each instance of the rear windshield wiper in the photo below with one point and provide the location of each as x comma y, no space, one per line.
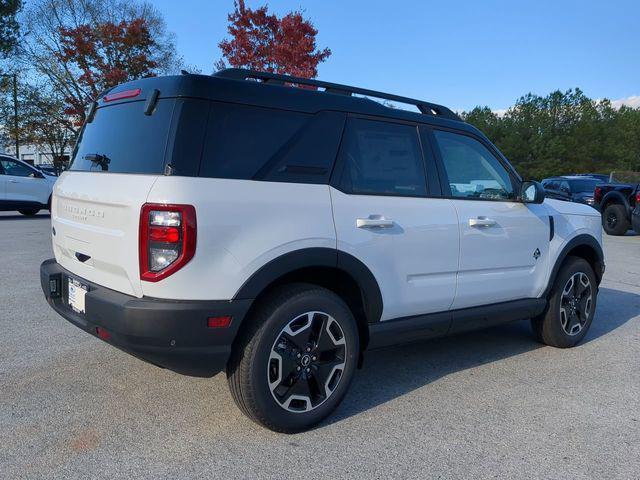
101,160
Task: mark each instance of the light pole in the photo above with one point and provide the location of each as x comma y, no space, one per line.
14,77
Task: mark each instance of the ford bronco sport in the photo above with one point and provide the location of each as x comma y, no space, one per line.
240,223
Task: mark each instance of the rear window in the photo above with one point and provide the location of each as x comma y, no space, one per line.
255,143
197,137
122,139
583,185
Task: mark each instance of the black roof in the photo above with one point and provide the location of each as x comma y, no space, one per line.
276,91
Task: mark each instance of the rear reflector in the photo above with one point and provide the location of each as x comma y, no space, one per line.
103,334
121,95
219,322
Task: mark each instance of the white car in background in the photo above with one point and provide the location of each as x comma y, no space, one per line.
23,187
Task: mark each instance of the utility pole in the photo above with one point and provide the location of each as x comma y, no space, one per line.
15,113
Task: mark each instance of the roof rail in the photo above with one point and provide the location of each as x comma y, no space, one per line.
426,108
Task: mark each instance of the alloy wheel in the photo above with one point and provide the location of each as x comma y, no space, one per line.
306,362
576,303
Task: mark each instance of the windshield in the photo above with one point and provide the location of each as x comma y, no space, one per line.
584,185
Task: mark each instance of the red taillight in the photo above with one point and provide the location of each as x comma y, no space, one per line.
638,198
164,234
219,322
122,95
597,194
167,239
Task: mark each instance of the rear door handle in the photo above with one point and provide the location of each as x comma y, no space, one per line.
481,222
13,181
374,221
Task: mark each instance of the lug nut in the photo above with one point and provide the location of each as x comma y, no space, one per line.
308,370
298,369
298,355
314,358
308,349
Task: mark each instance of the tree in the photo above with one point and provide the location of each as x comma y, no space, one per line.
8,26
41,121
106,55
81,47
563,133
263,41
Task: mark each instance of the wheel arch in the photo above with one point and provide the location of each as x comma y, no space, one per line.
615,198
334,270
583,246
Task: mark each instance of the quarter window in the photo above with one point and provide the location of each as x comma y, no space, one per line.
473,171
382,158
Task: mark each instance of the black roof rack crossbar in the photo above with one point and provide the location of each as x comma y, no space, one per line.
426,108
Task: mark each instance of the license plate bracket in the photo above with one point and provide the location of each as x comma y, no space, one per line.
76,292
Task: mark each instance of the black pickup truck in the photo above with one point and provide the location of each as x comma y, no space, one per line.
619,204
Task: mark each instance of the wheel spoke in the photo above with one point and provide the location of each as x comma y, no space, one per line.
307,361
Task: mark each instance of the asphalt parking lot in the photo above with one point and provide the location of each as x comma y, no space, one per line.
490,404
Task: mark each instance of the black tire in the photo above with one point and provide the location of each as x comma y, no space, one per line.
614,220
29,212
252,368
553,327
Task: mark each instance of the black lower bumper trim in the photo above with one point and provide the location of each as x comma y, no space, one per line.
172,334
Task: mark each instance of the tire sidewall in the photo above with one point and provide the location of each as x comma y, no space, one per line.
314,300
621,226
576,265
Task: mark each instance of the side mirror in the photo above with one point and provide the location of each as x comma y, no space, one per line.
532,192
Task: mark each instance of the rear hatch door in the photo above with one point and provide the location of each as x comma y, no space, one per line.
96,204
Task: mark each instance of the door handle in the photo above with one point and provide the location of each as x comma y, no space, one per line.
481,222
374,221
13,181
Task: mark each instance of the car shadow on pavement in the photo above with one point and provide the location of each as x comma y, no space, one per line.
19,216
393,372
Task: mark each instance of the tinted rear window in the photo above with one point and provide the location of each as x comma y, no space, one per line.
588,185
131,141
255,143
382,158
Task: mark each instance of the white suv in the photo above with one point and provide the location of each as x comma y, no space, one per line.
236,222
24,188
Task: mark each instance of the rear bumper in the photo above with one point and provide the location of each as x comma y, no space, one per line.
168,333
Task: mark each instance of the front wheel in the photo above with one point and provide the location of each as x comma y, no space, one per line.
295,361
571,306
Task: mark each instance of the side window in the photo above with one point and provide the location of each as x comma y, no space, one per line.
473,171
11,167
382,158
564,186
256,143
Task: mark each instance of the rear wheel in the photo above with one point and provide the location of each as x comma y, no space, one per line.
29,211
614,220
571,307
296,359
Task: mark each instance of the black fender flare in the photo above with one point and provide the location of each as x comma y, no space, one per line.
578,241
615,197
317,257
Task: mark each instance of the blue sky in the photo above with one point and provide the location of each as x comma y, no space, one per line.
458,53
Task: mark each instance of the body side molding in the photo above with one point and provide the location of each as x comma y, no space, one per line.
432,325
